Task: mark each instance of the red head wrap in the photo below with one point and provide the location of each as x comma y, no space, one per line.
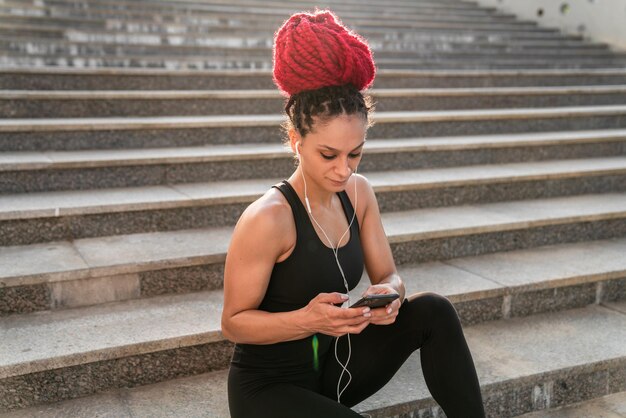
315,50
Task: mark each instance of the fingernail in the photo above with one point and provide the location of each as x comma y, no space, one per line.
344,297
366,310
367,314
389,310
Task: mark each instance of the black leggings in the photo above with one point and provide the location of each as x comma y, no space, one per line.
426,321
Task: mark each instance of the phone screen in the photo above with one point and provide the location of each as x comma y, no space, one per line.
375,301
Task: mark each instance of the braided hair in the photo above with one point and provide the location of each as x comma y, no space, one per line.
322,67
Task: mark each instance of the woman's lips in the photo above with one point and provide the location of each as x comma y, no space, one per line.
339,183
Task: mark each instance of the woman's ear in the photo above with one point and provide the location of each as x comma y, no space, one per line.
294,138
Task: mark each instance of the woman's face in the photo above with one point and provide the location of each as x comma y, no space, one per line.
332,152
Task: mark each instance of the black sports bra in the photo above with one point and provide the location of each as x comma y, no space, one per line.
309,270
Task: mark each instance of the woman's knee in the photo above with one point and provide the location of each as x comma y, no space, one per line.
433,305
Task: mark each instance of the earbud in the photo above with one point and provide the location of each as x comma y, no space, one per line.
306,198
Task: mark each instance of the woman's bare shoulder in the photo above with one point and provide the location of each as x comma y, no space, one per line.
268,216
364,194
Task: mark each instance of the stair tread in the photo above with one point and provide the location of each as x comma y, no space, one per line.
446,221
256,41
265,72
125,254
268,73
274,94
76,202
503,351
430,60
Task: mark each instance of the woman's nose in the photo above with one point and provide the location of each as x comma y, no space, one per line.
343,168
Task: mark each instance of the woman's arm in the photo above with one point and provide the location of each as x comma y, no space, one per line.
379,262
260,237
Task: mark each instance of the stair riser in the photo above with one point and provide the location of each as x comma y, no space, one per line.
30,231
174,137
94,291
25,81
450,128
150,175
32,32
142,369
51,108
563,387
419,251
525,302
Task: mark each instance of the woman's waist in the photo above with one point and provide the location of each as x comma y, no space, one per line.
303,354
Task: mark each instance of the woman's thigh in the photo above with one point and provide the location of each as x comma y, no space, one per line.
288,401
251,395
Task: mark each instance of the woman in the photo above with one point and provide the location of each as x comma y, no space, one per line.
298,249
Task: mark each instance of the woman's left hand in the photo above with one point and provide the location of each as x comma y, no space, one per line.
387,314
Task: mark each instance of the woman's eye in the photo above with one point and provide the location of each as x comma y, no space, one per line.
331,157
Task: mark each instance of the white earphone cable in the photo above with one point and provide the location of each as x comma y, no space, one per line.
335,250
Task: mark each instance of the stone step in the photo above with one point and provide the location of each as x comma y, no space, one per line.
221,15
608,406
477,62
32,39
176,131
79,271
259,46
470,6
159,400
27,172
286,8
247,4
226,51
26,38
214,23
76,104
49,216
376,37
159,79
118,346
11,59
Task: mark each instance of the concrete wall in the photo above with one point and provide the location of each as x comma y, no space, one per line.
597,20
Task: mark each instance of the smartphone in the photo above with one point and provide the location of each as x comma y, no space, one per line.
375,301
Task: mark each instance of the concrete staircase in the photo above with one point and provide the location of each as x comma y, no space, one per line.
133,134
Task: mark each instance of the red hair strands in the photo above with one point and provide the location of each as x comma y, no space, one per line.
316,50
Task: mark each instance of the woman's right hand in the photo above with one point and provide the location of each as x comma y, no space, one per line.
321,315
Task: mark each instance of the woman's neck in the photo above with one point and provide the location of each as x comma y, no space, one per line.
317,196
